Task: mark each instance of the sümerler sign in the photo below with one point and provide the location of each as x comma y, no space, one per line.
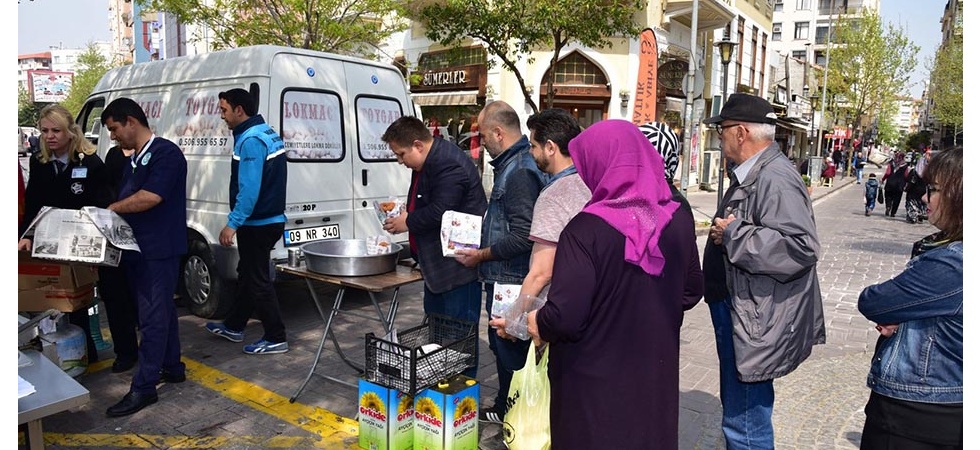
444,78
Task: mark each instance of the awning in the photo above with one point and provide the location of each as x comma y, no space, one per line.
712,14
792,126
445,98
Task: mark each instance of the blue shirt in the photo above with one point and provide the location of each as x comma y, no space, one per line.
160,168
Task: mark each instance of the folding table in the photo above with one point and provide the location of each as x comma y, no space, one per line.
372,284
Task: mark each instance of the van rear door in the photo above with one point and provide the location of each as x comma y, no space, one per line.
307,97
380,98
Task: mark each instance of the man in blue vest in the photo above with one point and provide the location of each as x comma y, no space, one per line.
153,200
258,203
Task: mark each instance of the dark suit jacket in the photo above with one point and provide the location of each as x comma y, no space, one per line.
448,181
82,183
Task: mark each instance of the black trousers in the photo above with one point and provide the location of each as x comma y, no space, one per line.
120,309
894,424
256,292
892,200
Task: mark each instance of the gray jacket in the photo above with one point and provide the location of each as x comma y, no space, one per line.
771,270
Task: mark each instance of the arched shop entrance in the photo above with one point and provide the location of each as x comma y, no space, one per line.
581,88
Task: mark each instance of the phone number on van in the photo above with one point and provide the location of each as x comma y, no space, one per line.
202,141
304,235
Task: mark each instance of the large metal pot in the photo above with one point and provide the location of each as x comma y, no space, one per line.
347,257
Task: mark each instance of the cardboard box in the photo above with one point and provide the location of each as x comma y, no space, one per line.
447,416
43,285
90,235
385,417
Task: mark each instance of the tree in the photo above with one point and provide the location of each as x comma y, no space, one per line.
92,65
946,86
512,29
870,65
27,111
352,27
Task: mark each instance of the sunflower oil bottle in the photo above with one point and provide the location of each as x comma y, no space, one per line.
385,417
446,415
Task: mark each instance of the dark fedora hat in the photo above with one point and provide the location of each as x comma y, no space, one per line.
745,108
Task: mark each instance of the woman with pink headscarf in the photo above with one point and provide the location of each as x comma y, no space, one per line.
626,268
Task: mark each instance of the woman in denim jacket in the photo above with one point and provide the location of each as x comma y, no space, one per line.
916,376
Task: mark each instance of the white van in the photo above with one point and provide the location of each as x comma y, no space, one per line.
330,110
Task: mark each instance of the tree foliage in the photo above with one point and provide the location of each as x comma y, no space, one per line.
946,86
27,111
92,65
512,29
870,65
352,27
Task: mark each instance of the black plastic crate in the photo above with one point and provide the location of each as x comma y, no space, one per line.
407,367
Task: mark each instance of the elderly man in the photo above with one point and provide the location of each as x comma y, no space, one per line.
760,272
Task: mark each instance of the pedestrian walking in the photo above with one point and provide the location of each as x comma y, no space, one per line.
916,375
894,180
915,188
760,272
153,201
257,218
505,253
859,161
870,194
443,179
626,269
65,173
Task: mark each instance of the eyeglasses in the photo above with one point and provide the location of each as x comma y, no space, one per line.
929,190
719,128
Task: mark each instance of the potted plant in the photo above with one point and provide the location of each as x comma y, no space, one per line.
806,182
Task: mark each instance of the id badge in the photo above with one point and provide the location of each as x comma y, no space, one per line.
79,172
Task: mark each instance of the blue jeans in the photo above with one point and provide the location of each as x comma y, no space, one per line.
746,407
510,355
461,303
860,173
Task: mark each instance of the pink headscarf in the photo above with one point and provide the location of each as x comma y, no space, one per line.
628,187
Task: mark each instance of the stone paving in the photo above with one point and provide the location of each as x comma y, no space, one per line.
820,405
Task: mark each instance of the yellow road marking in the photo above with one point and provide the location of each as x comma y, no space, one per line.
330,430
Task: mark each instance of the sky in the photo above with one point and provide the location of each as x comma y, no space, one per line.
921,21
70,23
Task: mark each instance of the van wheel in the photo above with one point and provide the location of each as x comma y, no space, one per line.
205,293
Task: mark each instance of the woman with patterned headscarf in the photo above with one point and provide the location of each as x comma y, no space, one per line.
664,141
626,268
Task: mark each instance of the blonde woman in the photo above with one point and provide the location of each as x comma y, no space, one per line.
66,173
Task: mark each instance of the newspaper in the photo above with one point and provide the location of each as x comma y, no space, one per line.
85,235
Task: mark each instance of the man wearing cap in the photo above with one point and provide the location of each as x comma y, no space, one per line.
760,272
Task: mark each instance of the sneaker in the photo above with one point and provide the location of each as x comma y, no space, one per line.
264,347
491,415
220,329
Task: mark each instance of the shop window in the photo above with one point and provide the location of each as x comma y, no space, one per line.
576,69
452,58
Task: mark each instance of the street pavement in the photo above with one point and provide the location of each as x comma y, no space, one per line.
236,401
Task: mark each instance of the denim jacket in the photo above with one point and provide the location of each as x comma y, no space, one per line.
923,360
507,223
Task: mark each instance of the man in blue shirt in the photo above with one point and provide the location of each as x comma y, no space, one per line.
153,200
258,205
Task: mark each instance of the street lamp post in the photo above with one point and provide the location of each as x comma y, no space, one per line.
809,140
813,123
725,48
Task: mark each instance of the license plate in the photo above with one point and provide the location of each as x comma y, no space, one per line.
304,235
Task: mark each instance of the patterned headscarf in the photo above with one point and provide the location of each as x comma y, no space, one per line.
664,141
629,190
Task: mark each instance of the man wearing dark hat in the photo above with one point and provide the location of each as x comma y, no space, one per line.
760,272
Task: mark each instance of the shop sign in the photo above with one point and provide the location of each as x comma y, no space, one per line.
450,78
671,74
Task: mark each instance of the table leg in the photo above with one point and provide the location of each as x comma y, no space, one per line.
386,321
35,438
328,319
392,310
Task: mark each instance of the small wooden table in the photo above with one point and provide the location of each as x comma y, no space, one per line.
55,392
372,284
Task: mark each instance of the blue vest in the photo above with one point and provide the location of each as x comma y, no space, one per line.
272,191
